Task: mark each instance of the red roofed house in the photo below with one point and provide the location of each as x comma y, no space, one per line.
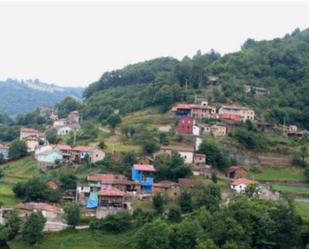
234,112
169,189
79,153
239,185
185,152
111,197
185,125
32,137
50,212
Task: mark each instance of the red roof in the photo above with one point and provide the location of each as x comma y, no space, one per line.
32,131
244,181
3,146
144,167
111,191
37,206
230,116
83,148
62,146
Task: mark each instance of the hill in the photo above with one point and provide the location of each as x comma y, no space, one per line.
279,65
25,96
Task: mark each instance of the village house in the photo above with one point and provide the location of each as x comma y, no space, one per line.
236,113
186,153
169,189
79,154
239,185
218,129
32,137
4,211
143,174
197,111
50,212
236,172
111,197
66,125
48,159
4,150
89,192
260,91
185,125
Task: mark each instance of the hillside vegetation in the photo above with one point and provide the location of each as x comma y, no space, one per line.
280,65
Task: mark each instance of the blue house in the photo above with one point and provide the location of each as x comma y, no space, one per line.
143,174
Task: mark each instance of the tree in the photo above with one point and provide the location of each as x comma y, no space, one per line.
113,120
150,147
208,196
174,214
2,160
35,189
17,149
72,214
66,106
51,136
153,235
214,177
69,181
171,167
11,227
102,145
185,234
208,244
158,202
304,153
185,202
307,172
252,190
215,155
33,228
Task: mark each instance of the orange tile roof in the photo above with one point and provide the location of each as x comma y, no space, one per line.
37,206
62,146
244,181
83,148
144,167
111,191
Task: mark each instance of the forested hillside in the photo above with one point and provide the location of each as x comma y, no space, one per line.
25,96
280,65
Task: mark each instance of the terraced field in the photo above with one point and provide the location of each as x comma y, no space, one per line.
14,172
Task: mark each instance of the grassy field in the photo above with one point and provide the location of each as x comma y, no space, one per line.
14,172
302,208
282,174
296,190
72,239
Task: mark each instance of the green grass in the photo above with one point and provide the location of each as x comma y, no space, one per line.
282,174
14,172
296,190
72,239
302,208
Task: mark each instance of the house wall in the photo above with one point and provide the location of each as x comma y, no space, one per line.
239,188
5,153
97,155
50,158
196,130
32,145
64,130
187,156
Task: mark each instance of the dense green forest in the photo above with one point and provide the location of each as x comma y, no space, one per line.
280,65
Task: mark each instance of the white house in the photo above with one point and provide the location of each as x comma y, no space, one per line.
49,156
198,142
64,130
186,153
239,185
196,130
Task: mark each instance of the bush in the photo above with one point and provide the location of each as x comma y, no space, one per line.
72,214
33,228
118,222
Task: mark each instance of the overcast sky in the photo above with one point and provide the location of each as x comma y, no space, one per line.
72,44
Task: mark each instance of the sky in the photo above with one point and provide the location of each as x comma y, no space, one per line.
74,43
